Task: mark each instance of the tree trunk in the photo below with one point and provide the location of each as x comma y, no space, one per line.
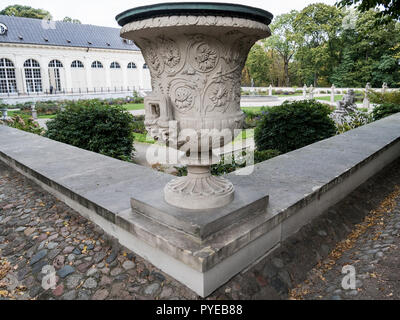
286,66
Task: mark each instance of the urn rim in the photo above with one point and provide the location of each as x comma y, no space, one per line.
196,9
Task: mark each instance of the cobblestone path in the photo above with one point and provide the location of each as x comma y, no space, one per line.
39,233
372,249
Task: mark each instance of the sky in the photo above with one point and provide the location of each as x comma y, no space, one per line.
103,12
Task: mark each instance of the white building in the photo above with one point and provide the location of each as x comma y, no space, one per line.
39,56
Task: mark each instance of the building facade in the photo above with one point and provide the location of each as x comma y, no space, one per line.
46,57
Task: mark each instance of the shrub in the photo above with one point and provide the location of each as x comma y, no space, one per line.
294,125
138,125
136,98
384,110
251,119
353,120
387,97
95,127
25,123
261,156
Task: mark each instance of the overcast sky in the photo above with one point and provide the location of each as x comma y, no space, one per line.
103,12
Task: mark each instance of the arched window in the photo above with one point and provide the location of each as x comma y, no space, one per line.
115,65
33,76
55,64
145,66
55,76
131,65
97,65
77,64
8,82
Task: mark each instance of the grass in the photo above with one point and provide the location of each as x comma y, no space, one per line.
246,134
47,116
254,109
140,137
133,106
328,98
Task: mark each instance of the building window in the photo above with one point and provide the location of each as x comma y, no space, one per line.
145,66
97,65
131,65
33,76
77,64
8,82
115,65
54,74
3,29
55,64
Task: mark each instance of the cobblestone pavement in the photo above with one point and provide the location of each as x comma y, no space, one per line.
372,249
38,233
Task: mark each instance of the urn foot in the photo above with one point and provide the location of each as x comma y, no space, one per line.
199,190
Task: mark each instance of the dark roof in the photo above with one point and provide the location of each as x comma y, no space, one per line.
64,34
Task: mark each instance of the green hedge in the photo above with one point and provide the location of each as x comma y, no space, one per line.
95,127
294,125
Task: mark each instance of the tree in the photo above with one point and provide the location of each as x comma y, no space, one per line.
257,66
25,11
368,53
69,19
283,40
318,28
390,9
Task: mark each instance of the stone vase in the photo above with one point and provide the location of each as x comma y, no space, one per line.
196,61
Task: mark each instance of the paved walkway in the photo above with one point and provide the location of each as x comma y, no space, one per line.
39,233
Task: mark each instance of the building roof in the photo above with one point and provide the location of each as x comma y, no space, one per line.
66,34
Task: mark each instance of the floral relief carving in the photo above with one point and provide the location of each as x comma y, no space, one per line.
206,57
184,99
170,52
219,96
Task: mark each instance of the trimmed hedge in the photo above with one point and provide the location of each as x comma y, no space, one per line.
95,127
294,125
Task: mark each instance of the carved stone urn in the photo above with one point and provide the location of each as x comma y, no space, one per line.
196,53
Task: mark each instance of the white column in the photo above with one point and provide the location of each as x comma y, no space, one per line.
270,90
305,91
108,75
88,69
141,79
44,69
366,102
124,67
311,92
333,88
68,74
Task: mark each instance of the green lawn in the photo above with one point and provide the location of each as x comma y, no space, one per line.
328,98
132,106
253,109
140,137
47,116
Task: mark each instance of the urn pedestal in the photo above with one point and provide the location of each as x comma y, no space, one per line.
196,53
